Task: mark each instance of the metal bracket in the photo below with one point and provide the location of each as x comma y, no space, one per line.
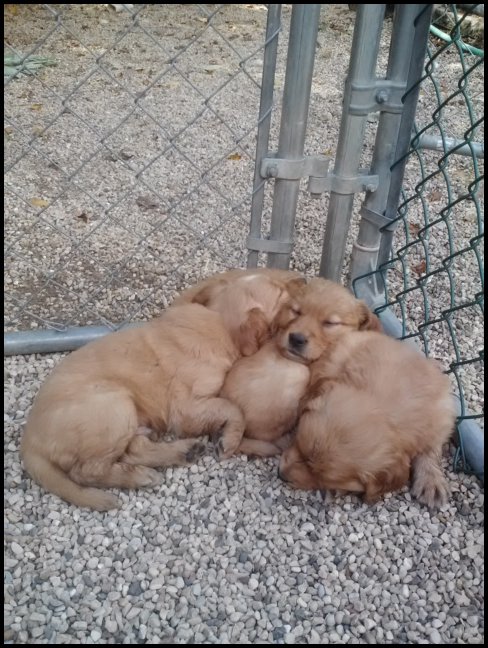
382,95
320,179
377,219
268,245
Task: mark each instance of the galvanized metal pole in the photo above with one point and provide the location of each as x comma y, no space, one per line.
417,63
365,249
294,115
273,27
51,341
366,40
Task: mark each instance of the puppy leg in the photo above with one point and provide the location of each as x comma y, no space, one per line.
429,485
256,448
217,417
142,451
114,475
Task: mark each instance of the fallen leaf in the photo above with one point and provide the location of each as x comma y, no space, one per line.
414,229
39,202
36,106
234,156
125,155
435,195
83,216
420,267
147,202
8,130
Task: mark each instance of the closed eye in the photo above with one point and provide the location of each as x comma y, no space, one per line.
329,323
296,311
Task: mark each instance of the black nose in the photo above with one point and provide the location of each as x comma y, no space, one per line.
297,340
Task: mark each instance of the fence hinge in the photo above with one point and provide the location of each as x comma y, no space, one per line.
381,95
320,179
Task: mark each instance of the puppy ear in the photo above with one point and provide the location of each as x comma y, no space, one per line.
387,480
252,333
206,292
368,321
293,286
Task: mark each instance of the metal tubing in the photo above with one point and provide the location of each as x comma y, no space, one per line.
365,250
433,143
51,341
365,46
273,27
406,126
472,434
296,98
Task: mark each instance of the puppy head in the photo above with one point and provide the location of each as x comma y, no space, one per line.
329,456
248,303
316,316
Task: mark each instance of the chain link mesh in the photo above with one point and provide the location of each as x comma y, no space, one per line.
433,281
115,193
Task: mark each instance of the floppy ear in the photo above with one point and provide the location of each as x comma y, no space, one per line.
387,480
206,292
368,321
293,286
252,333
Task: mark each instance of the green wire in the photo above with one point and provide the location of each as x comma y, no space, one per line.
448,39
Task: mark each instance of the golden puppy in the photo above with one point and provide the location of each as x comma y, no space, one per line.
87,426
248,301
267,387
375,407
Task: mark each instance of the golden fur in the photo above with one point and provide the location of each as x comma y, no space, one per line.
375,407
88,426
267,387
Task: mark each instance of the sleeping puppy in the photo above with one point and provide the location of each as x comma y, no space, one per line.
375,408
269,385
247,300
87,427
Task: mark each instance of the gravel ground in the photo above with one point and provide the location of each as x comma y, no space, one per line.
221,552
226,553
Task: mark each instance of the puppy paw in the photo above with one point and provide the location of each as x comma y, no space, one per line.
151,478
196,450
224,446
432,493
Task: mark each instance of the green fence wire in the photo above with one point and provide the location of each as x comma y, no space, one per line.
434,279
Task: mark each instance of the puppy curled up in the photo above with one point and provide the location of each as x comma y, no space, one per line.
375,411
86,429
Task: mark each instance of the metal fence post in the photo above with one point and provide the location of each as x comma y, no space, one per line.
366,40
296,98
417,64
273,28
365,249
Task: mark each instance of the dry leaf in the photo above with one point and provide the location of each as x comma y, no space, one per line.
420,267
146,202
36,106
435,195
414,229
234,156
8,130
39,202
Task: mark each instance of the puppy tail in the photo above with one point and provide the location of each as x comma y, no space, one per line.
55,480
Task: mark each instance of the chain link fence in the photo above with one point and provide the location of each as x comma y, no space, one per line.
139,138
129,160
433,279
